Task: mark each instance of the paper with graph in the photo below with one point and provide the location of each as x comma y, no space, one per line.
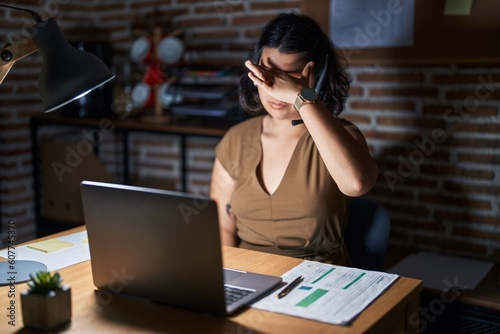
328,293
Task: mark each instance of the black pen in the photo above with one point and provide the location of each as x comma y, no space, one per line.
290,287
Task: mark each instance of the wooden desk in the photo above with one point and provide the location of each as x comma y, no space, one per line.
487,293
395,311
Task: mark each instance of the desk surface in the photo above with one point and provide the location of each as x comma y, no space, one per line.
392,312
486,294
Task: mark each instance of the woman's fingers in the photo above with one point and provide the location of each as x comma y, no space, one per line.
308,74
258,74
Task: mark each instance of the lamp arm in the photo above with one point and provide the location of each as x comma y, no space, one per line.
14,52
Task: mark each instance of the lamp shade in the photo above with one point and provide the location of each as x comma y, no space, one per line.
67,72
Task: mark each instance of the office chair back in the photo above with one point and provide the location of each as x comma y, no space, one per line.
367,234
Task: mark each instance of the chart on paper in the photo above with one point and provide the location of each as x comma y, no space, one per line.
332,294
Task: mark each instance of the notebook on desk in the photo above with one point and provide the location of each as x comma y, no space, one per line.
163,246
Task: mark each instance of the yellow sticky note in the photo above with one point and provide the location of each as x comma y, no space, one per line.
49,246
458,7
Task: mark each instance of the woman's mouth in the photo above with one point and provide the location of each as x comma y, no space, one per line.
278,105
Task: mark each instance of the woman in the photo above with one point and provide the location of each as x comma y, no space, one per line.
284,188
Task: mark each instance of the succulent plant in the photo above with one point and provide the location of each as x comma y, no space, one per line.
43,282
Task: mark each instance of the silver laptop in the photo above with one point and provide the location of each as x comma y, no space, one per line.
164,246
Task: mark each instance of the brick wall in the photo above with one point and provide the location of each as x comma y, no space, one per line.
434,130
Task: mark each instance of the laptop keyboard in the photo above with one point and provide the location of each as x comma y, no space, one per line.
234,294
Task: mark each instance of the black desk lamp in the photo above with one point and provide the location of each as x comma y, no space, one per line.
67,74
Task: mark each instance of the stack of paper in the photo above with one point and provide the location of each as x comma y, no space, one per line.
443,272
331,294
55,253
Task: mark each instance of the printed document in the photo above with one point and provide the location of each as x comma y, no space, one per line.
328,293
55,253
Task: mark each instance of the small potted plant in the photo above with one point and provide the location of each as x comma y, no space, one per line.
47,303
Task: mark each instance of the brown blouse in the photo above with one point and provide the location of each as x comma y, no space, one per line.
306,215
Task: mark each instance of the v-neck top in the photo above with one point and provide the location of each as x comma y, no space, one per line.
305,216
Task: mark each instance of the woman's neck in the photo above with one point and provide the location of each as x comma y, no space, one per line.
281,128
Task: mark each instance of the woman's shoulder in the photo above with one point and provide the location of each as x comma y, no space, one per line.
250,125
348,125
241,132
241,140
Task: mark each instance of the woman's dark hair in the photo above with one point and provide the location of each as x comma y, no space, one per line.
295,33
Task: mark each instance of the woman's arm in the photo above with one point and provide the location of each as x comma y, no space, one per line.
345,154
221,190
